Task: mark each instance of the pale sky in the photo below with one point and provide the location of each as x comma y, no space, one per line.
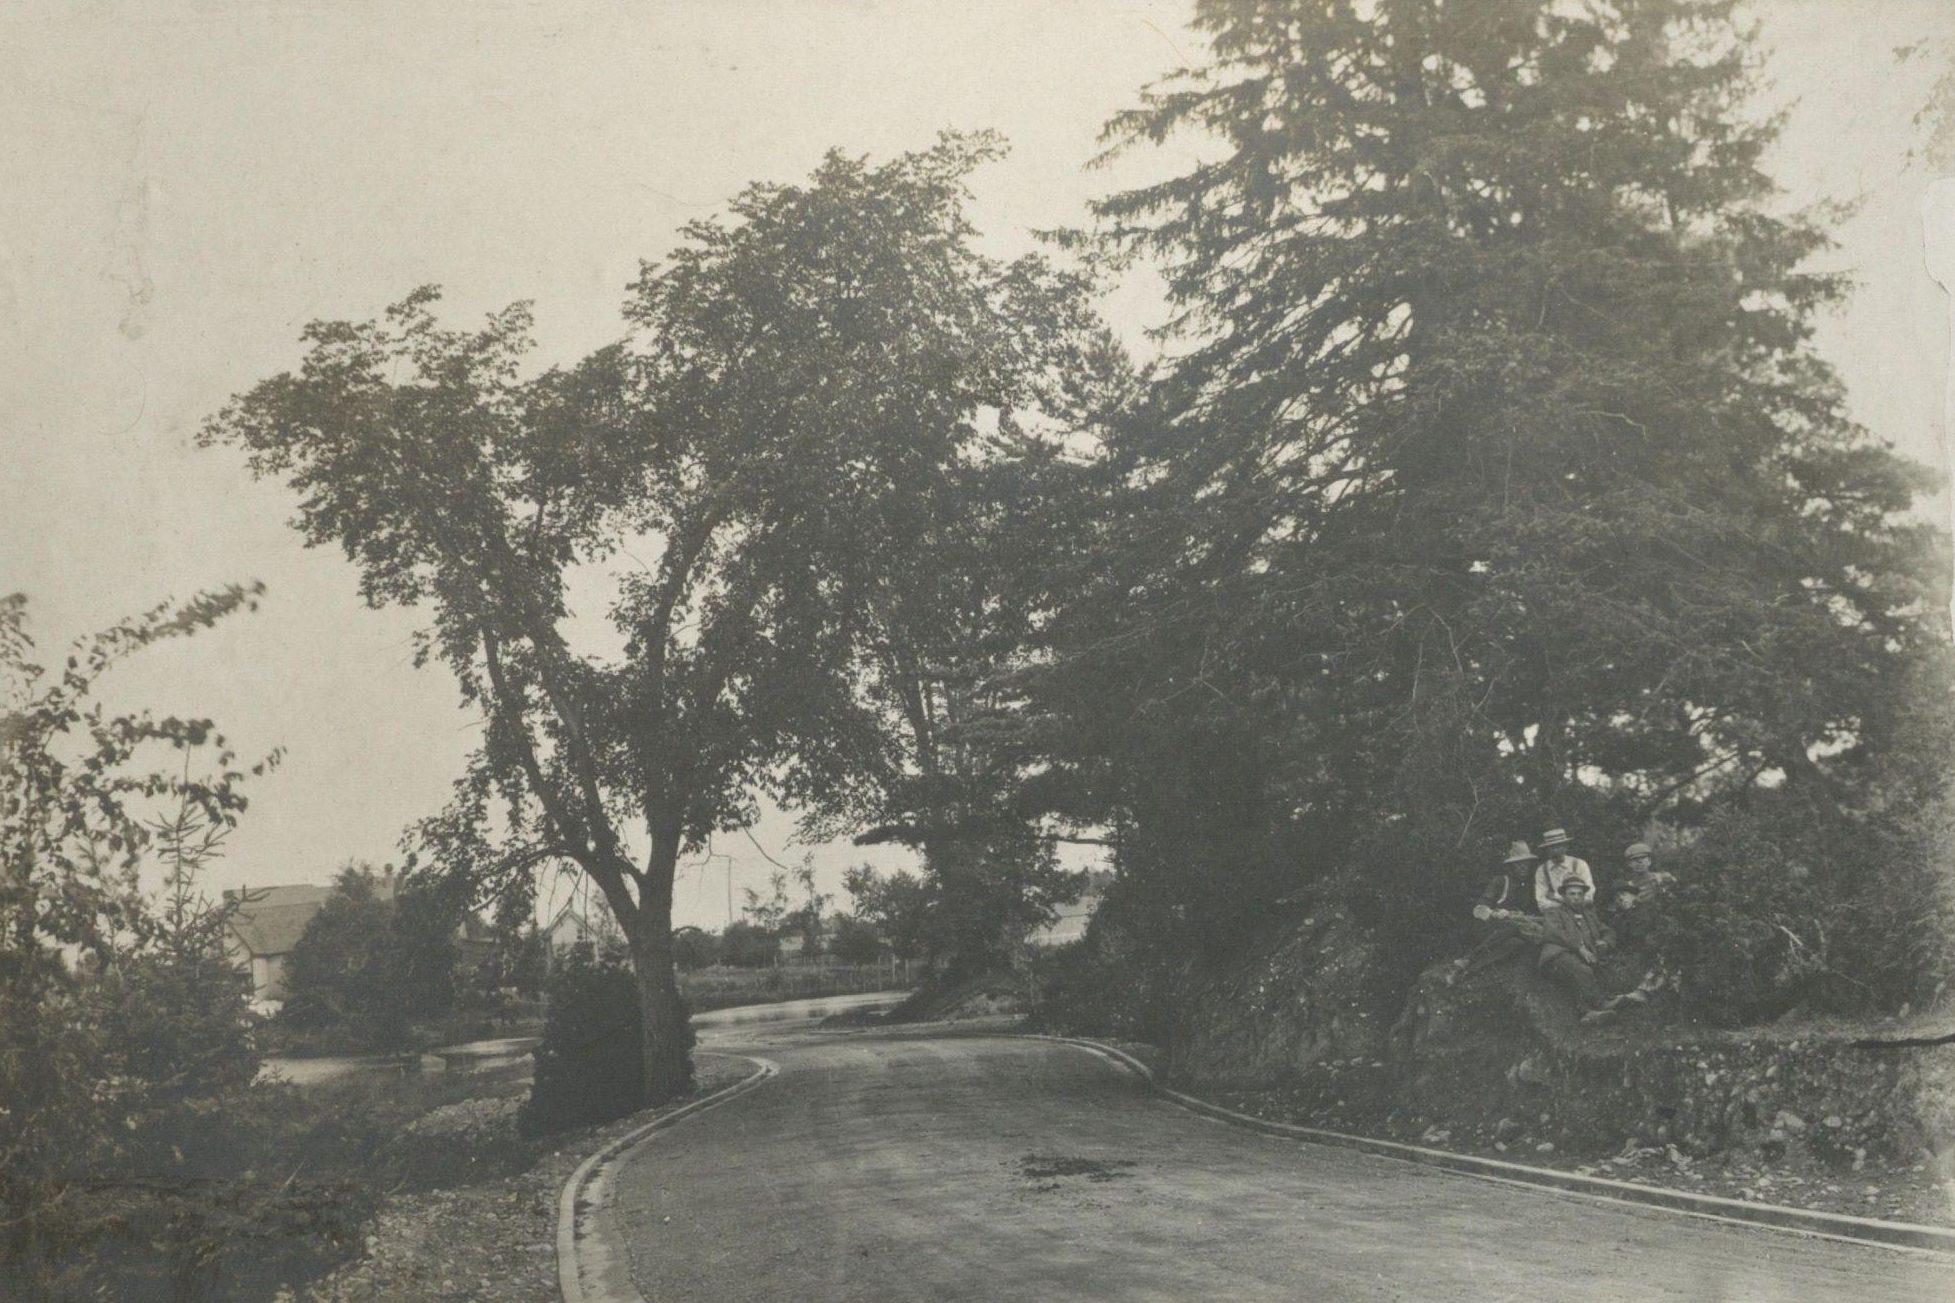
189,181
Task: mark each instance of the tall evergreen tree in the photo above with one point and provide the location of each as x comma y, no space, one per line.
1494,479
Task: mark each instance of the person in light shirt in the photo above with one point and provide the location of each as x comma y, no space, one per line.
1556,867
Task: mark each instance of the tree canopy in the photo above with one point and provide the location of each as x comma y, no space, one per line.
752,469
1492,481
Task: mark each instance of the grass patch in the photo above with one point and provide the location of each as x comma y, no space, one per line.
706,989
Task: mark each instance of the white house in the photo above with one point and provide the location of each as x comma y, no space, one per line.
266,923
572,925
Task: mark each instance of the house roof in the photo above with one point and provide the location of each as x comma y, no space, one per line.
273,929
270,920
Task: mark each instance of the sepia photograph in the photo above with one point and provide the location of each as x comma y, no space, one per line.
683,651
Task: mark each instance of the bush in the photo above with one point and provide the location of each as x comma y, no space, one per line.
855,941
590,1066
1101,985
370,964
745,945
1770,913
694,949
178,1020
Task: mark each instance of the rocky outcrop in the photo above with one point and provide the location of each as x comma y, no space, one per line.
1319,994
1503,1052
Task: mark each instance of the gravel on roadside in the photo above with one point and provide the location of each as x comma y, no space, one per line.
1890,1191
493,1242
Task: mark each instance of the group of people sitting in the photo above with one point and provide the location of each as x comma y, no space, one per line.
1543,907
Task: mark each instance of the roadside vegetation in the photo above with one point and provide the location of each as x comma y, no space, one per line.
391,964
1488,480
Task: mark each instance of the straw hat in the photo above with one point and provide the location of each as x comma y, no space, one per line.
1518,854
1554,837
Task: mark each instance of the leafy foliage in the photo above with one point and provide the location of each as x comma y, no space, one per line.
374,959
748,945
899,905
588,1066
122,1020
855,941
798,375
1493,482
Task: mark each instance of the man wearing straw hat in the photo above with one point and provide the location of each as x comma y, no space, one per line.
1557,867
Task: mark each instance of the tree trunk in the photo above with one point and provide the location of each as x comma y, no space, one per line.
665,1022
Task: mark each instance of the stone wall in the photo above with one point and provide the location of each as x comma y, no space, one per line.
1504,1051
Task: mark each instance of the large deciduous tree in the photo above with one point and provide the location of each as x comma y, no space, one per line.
734,469
948,635
1494,479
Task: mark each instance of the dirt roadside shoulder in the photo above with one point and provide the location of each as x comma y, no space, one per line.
492,1242
1571,1179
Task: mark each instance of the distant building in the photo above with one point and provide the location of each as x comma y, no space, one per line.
572,926
475,941
266,923
1070,922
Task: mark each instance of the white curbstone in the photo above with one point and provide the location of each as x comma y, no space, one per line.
1939,1240
587,1269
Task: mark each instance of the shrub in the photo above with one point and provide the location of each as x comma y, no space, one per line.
369,964
855,941
1101,985
590,1066
179,1021
746,945
694,949
1752,927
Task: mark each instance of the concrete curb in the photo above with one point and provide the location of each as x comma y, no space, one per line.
587,1271
1837,1226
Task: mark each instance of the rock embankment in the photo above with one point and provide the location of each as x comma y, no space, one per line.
1499,1061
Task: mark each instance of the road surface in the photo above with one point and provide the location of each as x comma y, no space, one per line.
891,1167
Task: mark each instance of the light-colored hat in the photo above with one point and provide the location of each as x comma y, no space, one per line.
1635,849
1518,854
1554,837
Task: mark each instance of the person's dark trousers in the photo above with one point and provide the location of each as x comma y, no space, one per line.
1577,978
1503,945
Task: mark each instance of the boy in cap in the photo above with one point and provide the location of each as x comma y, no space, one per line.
1629,909
1641,879
1556,868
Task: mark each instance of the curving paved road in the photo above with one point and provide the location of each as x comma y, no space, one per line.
882,1167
